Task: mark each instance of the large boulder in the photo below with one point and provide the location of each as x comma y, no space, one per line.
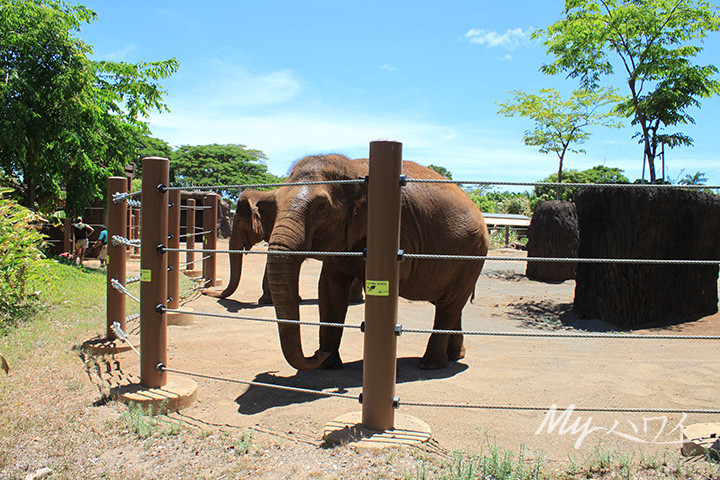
647,223
553,232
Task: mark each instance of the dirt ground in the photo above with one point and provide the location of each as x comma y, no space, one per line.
514,371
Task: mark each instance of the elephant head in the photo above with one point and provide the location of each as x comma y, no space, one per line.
252,223
312,218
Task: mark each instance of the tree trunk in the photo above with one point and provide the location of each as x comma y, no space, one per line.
553,232
647,223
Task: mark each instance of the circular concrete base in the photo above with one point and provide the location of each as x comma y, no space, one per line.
701,439
180,319
103,346
192,273
348,428
179,393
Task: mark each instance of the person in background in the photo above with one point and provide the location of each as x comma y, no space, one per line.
102,240
81,231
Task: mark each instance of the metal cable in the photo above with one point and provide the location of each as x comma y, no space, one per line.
121,335
120,240
257,384
259,319
545,408
132,280
134,203
263,185
120,288
196,207
615,336
134,316
119,197
556,184
268,252
638,261
195,261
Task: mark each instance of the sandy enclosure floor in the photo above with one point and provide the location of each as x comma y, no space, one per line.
497,370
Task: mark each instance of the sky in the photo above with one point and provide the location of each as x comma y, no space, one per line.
300,77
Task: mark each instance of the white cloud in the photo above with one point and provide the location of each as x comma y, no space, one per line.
387,67
510,40
120,55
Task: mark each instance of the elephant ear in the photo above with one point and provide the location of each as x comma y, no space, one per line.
255,218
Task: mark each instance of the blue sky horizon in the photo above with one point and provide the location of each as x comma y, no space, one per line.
298,77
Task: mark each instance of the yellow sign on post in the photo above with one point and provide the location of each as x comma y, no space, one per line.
377,288
146,275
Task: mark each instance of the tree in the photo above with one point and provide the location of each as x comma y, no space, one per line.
66,121
442,171
219,165
598,174
698,178
560,123
653,41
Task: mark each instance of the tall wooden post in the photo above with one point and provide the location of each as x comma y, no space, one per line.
190,233
117,256
173,258
153,272
210,239
381,285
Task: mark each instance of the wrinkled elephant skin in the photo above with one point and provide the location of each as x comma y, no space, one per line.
436,218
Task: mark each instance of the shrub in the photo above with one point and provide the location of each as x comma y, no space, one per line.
21,259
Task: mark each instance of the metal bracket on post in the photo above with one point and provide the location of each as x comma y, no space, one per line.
403,180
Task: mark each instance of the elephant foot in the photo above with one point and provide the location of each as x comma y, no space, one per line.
455,353
266,299
433,363
333,361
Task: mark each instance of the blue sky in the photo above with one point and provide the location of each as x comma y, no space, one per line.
299,77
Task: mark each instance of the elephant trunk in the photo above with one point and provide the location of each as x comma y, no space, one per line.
283,273
238,241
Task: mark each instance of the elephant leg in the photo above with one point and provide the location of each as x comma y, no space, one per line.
333,292
266,298
356,291
442,348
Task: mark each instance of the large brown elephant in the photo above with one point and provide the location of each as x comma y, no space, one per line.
253,222
436,218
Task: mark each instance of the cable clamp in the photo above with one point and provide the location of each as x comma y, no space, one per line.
362,327
403,180
396,402
160,367
398,329
160,248
360,399
160,308
162,188
401,255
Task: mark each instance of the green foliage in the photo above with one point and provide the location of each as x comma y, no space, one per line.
66,121
598,174
698,178
442,171
560,123
490,201
143,423
21,261
219,165
655,41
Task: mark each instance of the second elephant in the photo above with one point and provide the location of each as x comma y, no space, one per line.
253,222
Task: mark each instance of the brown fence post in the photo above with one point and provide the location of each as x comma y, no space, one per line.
117,255
381,285
210,239
173,258
153,272
190,234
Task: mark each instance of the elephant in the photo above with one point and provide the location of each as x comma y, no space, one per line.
436,218
253,222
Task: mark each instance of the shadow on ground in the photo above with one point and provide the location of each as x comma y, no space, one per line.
257,399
